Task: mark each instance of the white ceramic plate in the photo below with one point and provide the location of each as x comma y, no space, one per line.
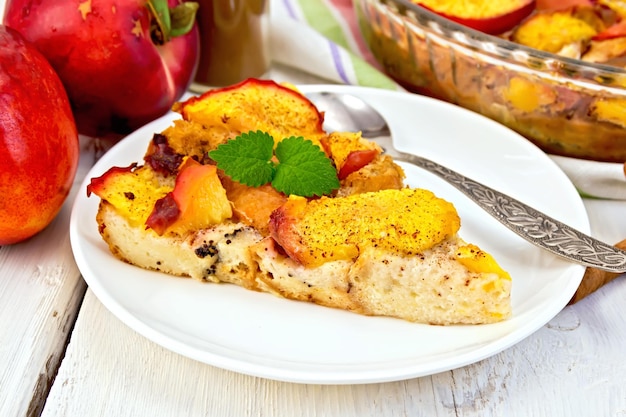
261,335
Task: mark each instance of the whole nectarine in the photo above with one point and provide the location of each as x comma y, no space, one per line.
38,140
123,63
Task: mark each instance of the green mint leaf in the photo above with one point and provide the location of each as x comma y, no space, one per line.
303,169
247,158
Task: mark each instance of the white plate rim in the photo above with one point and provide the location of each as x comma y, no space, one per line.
349,374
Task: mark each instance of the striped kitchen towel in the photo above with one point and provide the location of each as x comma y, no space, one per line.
321,37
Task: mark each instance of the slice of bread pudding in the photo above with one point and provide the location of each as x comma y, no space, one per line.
373,246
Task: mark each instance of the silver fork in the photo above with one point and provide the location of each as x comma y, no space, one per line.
345,112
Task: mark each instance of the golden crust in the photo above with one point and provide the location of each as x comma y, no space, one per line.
406,221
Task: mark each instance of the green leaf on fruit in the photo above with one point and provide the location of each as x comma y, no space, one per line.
169,22
296,167
162,27
183,17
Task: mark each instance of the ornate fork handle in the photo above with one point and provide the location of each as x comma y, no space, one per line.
529,223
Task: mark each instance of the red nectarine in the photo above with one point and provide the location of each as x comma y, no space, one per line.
38,140
121,63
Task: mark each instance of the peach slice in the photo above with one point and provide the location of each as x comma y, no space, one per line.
349,151
200,197
492,17
255,105
556,32
253,205
313,232
131,190
618,30
197,201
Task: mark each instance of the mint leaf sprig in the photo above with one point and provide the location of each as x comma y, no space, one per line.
296,167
